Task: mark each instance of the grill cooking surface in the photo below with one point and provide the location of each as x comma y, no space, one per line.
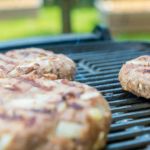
98,66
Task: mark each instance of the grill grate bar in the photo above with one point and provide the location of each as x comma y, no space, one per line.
121,96
131,107
101,63
108,86
101,82
136,131
131,115
97,77
112,91
107,65
120,102
129,144
125,124
107,68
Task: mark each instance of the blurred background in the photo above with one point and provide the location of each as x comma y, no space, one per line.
126,19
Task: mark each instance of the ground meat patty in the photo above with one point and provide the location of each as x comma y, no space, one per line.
41,115
134,76
38,63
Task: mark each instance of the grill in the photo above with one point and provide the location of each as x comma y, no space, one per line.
98,64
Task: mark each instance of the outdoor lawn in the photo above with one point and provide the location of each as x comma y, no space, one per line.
48,22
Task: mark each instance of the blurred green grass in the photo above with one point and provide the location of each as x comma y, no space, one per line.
48,22
133,36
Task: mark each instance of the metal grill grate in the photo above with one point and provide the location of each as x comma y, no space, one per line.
99,68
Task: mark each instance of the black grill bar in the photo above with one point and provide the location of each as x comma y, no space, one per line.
128,108
128,134
132,115
132,144
125,124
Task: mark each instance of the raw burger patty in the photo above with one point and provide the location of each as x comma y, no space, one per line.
134,76
36,63
41,115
